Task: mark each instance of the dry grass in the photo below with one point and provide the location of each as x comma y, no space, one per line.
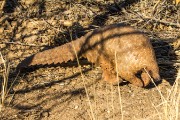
119,92
4,86
92,114
169,107
171,102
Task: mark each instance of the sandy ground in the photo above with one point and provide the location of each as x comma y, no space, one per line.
62,93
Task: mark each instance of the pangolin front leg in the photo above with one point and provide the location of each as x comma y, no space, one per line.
146,79
135,80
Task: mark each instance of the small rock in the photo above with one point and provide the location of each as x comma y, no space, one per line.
67,23
18,36
19,53
1,29
14,23
76,107
28,2
45,114
108,111
11,55
2,46
31,39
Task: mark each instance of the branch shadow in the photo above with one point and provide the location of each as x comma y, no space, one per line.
165,55
68,94
112,9
98,20
49,84
9,6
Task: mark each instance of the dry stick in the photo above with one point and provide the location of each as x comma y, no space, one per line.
107,100
2,94
6,74
52,26
160,118
18,43
5,81
160,94
112,100
174,100
155,6
95,98
164,22
82,76
13,82
157,20
173,90
119,92
155,84
162,97
2,5
176,104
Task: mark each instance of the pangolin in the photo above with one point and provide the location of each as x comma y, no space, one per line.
119,50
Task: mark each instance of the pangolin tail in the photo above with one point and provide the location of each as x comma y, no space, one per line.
60,54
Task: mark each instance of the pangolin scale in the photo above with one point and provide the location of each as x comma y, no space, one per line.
107,47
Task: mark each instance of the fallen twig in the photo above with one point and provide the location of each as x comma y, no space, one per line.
23,44
158,20
2,5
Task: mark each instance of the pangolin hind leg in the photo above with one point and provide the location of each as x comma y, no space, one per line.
109,73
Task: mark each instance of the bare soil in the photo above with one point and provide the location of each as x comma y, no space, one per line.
56,92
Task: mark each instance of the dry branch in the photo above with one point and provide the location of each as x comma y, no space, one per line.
158,20
18,43
2,5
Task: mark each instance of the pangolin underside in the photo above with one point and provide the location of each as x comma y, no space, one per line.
110,46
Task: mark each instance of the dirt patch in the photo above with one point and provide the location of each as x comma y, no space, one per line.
54,92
